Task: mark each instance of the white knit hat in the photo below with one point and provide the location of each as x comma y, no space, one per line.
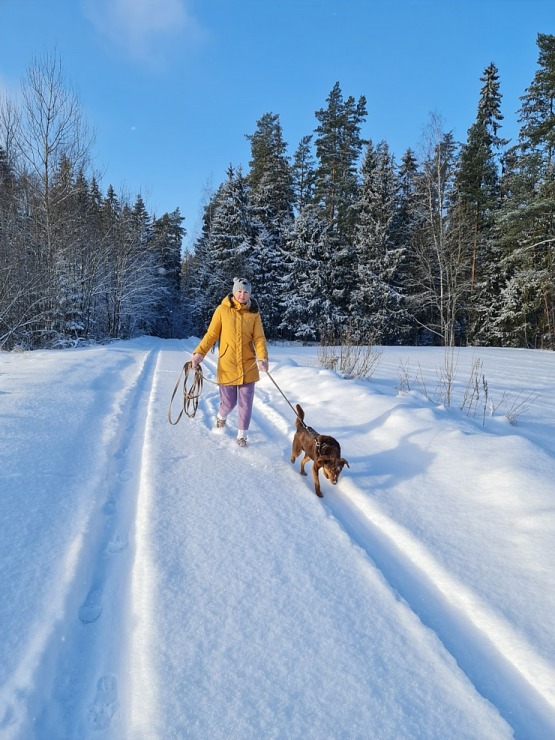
241,284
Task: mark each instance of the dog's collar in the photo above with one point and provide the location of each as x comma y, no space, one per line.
313,433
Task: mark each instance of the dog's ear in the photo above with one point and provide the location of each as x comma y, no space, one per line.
323,459
344,462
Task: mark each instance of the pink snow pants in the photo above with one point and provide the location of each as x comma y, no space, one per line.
230,396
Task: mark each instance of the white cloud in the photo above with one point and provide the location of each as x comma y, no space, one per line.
139,25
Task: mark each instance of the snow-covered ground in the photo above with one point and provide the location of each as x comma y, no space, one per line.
160,582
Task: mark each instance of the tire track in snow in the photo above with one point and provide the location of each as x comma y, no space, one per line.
504,669
84,697
501,665
143,647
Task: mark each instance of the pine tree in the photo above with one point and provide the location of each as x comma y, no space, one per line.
167,238
271,196
225,248
478,198
304,175
113,264
308,312
96,241
405,225
338,148
377,305
72,267
526,221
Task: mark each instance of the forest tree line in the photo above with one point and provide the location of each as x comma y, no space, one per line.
450,246
76,264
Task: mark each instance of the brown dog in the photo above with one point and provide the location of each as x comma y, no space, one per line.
324,452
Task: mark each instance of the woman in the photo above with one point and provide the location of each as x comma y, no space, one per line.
237,325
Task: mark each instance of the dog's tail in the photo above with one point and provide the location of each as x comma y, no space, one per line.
300,416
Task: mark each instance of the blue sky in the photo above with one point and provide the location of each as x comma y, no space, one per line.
172,87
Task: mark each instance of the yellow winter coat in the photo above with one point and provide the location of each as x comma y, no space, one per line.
242,341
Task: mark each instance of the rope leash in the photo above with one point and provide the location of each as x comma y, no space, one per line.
191,396
283,394
310,430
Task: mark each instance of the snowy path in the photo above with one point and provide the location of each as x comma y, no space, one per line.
184,587
473,633
97,561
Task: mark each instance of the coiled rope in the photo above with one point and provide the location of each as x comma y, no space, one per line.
191,395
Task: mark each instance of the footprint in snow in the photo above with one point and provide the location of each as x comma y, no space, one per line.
101,713
118,544
109,507
91,608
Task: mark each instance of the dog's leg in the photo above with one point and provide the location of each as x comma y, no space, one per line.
296,449
305,459
315,470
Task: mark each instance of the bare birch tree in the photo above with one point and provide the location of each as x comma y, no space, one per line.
440,246
50,136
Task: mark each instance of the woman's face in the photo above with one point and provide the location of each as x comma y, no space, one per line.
242,296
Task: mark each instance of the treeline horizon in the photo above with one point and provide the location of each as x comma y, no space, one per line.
339,239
